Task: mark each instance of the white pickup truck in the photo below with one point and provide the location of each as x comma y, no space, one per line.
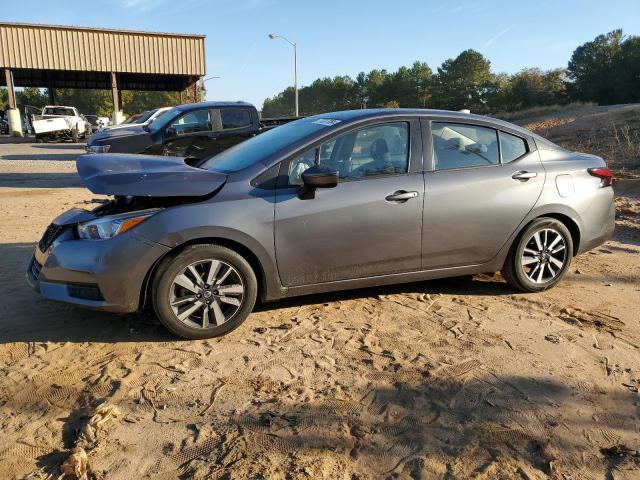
60,123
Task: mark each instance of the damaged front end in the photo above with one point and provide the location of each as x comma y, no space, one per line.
122,174
143,184
84,259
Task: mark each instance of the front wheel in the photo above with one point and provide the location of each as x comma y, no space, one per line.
540,257
204,291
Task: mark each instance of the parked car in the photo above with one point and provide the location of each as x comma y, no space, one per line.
331,202
59,123
4,126
195,130
97,122
140,119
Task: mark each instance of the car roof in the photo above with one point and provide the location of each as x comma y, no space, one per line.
355,115
196,106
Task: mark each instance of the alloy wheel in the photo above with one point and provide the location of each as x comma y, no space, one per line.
206,293
544,255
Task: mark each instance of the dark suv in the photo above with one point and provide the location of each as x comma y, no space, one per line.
195,130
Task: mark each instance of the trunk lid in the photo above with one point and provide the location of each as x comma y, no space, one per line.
145,176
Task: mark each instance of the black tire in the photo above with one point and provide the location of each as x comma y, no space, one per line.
515,273
170,268
39,139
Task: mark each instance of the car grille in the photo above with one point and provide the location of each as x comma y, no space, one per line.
50,234
34,269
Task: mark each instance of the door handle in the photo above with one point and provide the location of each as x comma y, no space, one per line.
523,176
401,196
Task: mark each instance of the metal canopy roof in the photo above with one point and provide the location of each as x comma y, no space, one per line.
79,57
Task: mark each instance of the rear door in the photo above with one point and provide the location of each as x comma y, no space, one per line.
370,224
479,185
236,125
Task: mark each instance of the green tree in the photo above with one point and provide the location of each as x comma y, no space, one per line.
87,101
592,68
532,86
626,72
140,101
463,82
421,75
3,98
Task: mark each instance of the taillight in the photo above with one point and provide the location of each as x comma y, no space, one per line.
603,173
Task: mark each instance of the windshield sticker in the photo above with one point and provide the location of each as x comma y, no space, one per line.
327,122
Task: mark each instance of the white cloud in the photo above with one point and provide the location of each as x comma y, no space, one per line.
493,39
141,5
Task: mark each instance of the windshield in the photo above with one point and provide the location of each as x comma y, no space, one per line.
262,146
161,120
145,116
131,119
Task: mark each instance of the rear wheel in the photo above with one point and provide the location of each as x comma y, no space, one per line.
540,257
204,291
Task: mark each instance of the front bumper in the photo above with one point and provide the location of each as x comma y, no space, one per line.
105,275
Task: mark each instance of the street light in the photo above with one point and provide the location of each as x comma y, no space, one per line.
273,36
206,80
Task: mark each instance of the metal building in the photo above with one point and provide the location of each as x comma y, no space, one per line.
52,56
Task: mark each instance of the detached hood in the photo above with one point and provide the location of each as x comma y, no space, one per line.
145,176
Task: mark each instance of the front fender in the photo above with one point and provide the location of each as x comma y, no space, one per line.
246,221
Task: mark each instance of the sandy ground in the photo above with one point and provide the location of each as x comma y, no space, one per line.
452,379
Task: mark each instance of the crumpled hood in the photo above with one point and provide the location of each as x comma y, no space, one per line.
145,176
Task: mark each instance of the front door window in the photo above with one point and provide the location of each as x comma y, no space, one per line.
373,151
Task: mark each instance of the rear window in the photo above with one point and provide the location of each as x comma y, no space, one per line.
235,118
59,111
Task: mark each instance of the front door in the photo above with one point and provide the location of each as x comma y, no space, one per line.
481,185
190,134
370,224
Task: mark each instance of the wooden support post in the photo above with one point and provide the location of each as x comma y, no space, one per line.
13,115
195,92
114,92
52,95
11,91
116,97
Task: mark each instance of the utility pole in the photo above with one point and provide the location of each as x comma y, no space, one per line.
273,36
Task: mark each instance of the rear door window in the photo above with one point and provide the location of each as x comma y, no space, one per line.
460,145
235,118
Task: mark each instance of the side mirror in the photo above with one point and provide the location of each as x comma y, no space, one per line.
318,176
172,132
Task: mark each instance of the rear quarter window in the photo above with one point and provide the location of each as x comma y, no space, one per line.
512,147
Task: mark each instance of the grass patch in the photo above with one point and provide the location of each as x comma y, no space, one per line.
541,111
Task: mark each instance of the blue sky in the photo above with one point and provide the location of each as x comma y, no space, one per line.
347,36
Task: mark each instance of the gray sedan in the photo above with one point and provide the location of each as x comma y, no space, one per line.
336,201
